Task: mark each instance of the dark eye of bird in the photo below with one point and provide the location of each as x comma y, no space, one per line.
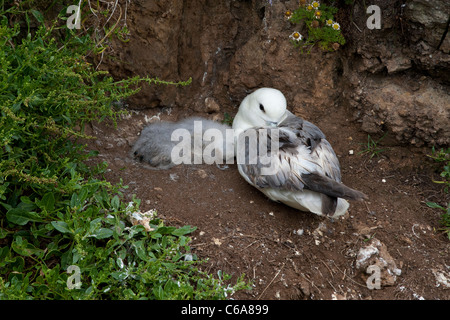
261,107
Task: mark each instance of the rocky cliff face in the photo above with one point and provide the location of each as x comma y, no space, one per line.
394,79
397,77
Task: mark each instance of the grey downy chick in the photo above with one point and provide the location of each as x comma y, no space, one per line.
155,144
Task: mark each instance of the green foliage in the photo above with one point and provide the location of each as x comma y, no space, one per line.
56,211
443,156
115,261
320,24
227,119
372,147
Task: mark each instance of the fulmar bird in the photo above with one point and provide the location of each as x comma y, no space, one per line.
306,173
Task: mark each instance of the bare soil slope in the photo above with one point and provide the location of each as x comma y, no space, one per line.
290,254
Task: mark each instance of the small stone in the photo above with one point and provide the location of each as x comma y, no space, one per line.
211,105
202,173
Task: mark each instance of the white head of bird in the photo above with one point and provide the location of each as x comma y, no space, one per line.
265,107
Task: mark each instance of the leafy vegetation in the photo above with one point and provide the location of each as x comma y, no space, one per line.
322,29
372,148
443,156
227,119
56,212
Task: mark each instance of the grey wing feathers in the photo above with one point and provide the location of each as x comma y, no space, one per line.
305,160
288,154
326,157
308,133
311,136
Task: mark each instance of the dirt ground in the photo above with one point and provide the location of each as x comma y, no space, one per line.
289,254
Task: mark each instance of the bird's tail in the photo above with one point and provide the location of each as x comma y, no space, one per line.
330,187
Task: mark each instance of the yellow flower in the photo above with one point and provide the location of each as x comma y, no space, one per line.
317,14
315,5
288,14
296,36
329,22
309,7
336,26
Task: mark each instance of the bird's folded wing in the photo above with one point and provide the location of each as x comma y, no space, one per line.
311,136
280,167
303,160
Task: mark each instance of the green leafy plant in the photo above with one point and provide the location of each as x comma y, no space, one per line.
445,219
227,119
322,29
443,156
372,147
56,212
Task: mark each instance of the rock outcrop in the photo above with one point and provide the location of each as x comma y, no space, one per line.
393,79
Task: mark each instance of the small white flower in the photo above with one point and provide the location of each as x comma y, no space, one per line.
336,26
329,22
288,15
296,36
315,5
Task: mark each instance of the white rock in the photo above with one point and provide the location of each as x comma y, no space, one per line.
376,254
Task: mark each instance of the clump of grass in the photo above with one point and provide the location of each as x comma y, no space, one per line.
443,156
56,213
372,148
